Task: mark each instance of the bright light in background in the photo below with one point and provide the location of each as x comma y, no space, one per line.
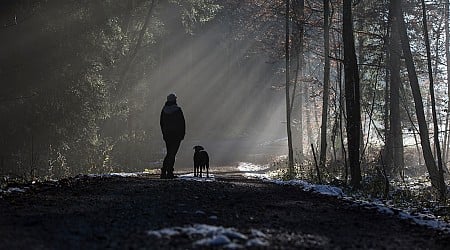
225,94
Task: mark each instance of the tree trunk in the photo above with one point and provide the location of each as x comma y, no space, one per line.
433,171
288,110
447,57
299,13
326,83
433,101
341,121
388,154
395,132
130,61
307,112
352,95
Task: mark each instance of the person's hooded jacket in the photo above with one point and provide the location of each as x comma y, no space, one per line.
172,122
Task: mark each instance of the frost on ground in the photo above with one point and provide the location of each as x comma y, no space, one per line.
116,174
428,220
321,189
191,177
253,170
214,236
14,189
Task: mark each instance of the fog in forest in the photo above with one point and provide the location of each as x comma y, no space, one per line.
291,99
83,85
67,110
226,92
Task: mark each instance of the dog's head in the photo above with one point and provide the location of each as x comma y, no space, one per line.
198,148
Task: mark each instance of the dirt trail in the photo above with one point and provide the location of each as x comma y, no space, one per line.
117,212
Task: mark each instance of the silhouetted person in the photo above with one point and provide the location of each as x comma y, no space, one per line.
173,128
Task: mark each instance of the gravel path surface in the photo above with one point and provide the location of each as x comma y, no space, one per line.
119,213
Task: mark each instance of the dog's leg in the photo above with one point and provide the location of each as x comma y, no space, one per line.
207,166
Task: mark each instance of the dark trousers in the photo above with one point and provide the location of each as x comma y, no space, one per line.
172,147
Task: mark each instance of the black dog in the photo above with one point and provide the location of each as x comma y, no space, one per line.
201,161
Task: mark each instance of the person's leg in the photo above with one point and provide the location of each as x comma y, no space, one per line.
166,162
171,154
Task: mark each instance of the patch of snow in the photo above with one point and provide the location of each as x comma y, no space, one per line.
233,245
125,174
321,189
14,190
200,212
214,236
116,175
257,242
421,219
258,234
250,167
253,171
385,210
428,220
166,232
233,234
215,241
191,177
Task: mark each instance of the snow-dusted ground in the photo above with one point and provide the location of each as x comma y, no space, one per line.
257,171
116,174
254,170
418,218
230,238
224,236
191,177
14,189
214,236
204,222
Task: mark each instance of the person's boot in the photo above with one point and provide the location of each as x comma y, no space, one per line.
170,174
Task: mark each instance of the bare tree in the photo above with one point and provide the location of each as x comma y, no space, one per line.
433,100
352,95
437,180
326,83
395,132
447,57
298,32
288,110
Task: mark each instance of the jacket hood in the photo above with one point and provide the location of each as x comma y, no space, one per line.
171,108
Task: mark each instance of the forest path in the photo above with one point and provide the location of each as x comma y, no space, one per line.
117,212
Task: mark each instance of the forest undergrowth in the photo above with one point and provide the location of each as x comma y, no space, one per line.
411,192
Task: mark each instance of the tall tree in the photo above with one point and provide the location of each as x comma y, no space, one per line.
326,82
352,95
447,57
298,33
432,96
437,179
288,102
395,131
